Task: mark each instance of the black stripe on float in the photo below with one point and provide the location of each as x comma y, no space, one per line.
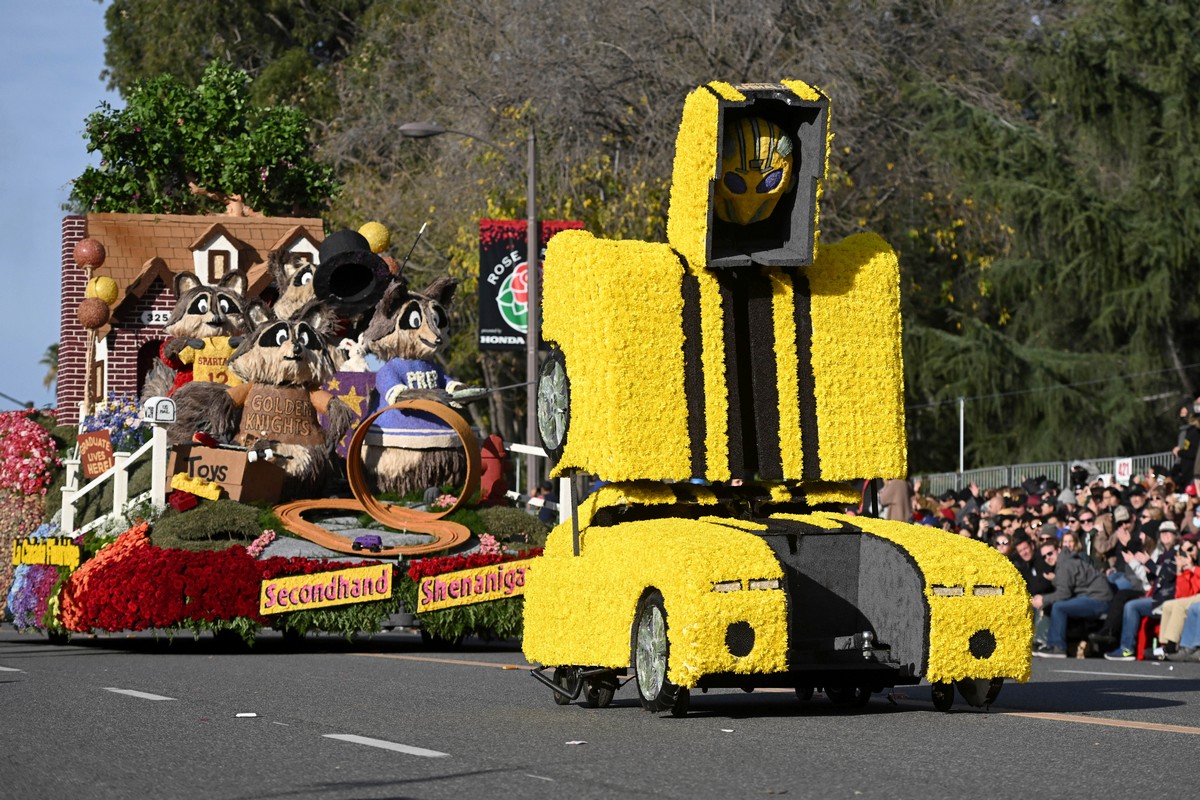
764,376
809,434
693,374
737,373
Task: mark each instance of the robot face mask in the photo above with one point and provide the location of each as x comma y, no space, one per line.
756,170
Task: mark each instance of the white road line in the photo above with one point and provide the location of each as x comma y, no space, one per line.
10,669
386,745
539,777
135,693
1117,674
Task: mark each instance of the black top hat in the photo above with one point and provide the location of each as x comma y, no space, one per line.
349,276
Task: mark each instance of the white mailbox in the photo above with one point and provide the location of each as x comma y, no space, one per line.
159,410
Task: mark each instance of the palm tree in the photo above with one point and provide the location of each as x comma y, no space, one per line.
50,360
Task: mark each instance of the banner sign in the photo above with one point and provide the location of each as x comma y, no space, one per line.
60,551
95,453
339,588
504,279
468,586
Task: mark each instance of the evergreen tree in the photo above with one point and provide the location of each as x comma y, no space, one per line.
1090,334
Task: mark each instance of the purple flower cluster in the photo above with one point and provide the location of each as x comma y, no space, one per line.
121,417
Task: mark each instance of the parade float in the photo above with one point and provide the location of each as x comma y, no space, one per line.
768,365
718,551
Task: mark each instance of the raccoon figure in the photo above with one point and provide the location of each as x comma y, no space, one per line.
282,364
411,451
293,277
201,325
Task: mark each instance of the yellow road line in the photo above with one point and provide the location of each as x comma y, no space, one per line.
445,661
1113,723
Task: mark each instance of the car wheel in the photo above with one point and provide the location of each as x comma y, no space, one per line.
553,405
849,696
804,693
566,679
943,695
979,692
651,655
599,693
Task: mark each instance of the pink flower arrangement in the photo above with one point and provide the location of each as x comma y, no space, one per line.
488,544
27,454
443,502
255,548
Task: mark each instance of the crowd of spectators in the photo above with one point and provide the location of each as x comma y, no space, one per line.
1098,557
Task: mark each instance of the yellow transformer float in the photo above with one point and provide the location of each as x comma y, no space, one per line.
728,385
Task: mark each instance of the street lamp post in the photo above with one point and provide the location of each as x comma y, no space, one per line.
533,249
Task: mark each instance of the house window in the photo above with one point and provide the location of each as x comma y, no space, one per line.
218,265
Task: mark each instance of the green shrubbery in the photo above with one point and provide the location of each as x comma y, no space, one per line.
212,525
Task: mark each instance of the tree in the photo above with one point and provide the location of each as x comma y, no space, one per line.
1093,160
182,151
50,361
604,91
288,47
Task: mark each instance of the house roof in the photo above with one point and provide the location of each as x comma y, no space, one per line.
142,246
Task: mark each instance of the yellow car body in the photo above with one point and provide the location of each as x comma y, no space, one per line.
824,598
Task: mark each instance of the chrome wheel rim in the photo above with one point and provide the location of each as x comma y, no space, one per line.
552,401
651,653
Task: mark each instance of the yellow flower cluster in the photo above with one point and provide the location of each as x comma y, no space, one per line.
197,486
696,150
621,332
580,610
946,559
857,360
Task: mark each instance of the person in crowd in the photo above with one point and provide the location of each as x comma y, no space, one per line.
1162,570
1129,582
1103,540
1087,528
1080,591
1071,541
1002,541
1188,445
547,515
1187,594
1189,637
1029,563
896,497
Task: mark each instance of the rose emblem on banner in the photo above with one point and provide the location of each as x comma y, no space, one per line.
513,298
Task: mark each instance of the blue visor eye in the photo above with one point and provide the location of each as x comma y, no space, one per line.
734,183
769,181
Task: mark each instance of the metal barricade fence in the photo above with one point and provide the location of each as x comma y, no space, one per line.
1057,471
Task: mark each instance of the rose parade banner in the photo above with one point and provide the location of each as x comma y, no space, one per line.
342,587
472,586
504,279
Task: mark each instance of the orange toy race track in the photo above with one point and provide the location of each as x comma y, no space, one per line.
446,534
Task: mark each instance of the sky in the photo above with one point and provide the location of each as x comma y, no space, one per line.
51,56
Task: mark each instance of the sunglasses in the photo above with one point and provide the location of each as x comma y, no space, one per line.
1000,542
1088,521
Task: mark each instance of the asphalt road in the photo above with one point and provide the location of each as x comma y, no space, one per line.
132,717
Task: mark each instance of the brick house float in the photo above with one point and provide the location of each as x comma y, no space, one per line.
144,251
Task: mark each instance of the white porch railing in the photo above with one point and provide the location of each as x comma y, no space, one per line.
72,493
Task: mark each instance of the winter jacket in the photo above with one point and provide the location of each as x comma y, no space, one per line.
1165,581
1031,571
1075,576
1187,583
